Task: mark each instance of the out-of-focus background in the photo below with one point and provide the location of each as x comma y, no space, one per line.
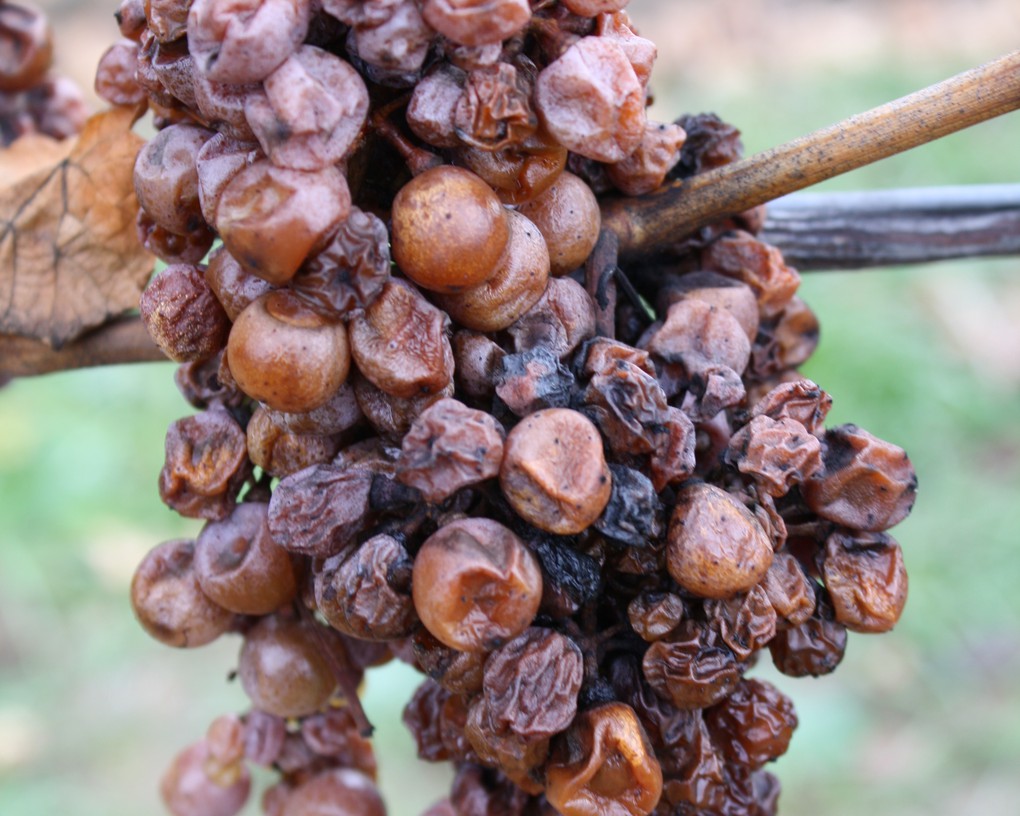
925,720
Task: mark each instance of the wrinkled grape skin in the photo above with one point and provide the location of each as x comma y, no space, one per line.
587,620
450,446
399,343
753,725
628,406
644,170
689,669
777,454
735,297
310,111
476,22
634,514
531,683
641,52
533,381
243,41
590,99
433,101
422,718
866,580
397,45
519,172
514,755
654,615
746,622
351,271
759,265
357,596
221,107
813,648
865,484
605,765
318,511
456,671
789,590
280,452
560,320
494,111
168,600
205,464
801,400
699,336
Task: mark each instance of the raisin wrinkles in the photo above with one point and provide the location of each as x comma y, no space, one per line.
206,463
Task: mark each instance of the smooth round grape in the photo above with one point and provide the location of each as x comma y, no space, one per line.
716,548
166,178
518,283
283,670
449,229
286,355
568,216
339,792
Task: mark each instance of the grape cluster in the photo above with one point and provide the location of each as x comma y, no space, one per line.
32,99
439,423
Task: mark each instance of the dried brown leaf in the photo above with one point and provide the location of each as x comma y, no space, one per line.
69,256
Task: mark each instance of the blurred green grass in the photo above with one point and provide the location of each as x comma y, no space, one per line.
923,720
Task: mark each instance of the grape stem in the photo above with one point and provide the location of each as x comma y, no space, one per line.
121,340
600,283
857,230
651,223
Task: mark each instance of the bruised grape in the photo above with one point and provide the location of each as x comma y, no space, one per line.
475,584
554,472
